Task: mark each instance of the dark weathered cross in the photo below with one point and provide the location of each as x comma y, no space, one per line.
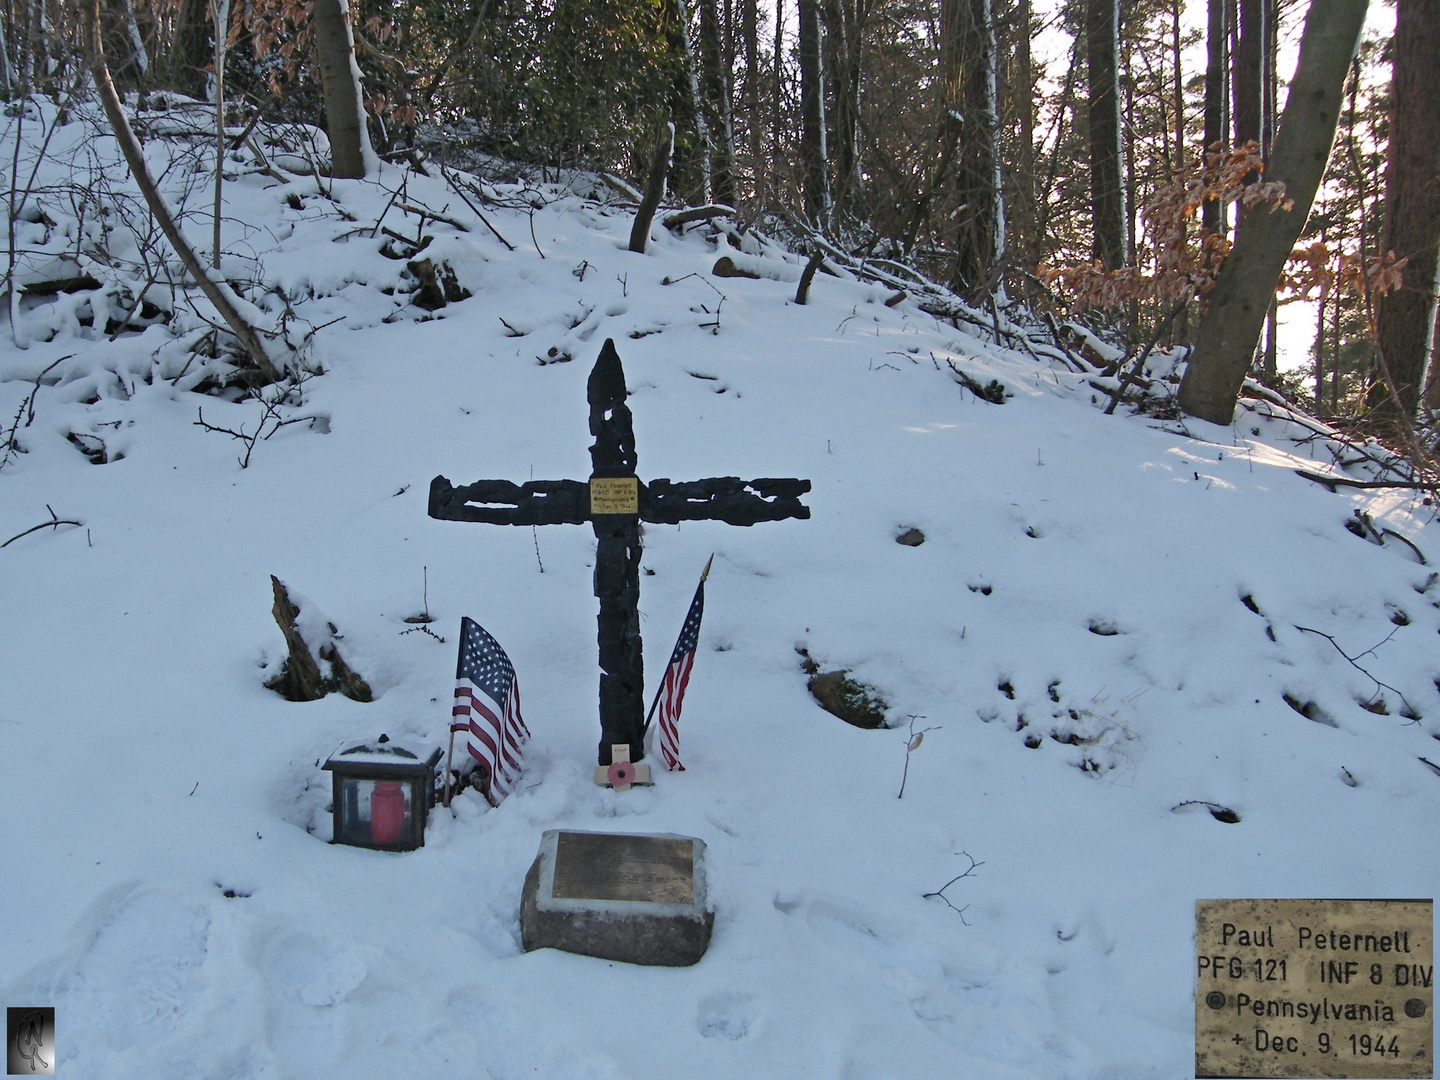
615,501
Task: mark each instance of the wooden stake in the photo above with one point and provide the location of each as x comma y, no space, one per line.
449,754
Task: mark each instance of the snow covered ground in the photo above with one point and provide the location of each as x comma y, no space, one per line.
1101,631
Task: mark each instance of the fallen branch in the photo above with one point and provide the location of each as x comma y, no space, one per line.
1332,482
53,523
425,212
1133,372
621,187
1408,543
1409,712
681,218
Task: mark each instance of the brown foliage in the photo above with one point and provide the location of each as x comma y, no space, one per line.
1175,262
286,28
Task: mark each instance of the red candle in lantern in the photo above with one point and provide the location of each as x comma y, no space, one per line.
387,812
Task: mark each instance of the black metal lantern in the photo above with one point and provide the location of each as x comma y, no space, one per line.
382,792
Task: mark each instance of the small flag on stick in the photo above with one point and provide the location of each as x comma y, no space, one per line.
487,708
677,676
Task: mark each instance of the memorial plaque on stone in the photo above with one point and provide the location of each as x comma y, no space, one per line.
639,898
1314,988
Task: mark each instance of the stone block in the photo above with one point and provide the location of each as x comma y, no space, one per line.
637,898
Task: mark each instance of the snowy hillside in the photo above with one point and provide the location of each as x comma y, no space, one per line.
1111,631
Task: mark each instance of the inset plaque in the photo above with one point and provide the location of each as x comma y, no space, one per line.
1314,988
639,898
614,495
614,866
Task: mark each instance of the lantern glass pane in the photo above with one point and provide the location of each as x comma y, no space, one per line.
374,812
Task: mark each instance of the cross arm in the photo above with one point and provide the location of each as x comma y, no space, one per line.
724,498
499,502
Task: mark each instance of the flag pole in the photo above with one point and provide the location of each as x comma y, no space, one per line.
448,757
651,714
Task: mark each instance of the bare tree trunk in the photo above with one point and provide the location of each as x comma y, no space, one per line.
702,126
1268,368
1176,46
845,32
1226,339
1247,81
1247,68
654,189
340,81
216,291
967,62
1127,140
220,10
1107,191
813,156
1406,316
716,103
1212,214
777,119
1046,188
755,126
1320,348
191,45
1432,388
1024,97
7,73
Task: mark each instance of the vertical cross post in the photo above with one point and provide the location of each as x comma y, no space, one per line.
617,559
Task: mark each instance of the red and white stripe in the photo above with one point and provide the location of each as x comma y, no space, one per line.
672,693
495,733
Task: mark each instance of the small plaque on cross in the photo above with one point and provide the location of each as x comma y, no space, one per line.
614,495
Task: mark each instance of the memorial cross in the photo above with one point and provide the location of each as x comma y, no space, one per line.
615,501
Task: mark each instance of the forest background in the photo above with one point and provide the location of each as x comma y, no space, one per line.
1089,160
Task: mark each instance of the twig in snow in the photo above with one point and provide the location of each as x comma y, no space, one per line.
11,446
1409,712
270,418
940,892
53,523
916,738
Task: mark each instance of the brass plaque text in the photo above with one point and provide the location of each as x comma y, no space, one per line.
1314,988
614,495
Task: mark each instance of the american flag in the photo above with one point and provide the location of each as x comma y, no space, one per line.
487,707
677,677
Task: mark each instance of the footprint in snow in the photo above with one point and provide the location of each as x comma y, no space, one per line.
727,1016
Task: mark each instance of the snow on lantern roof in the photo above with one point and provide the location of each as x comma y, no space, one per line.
383,752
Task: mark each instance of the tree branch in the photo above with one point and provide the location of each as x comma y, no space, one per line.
215,291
